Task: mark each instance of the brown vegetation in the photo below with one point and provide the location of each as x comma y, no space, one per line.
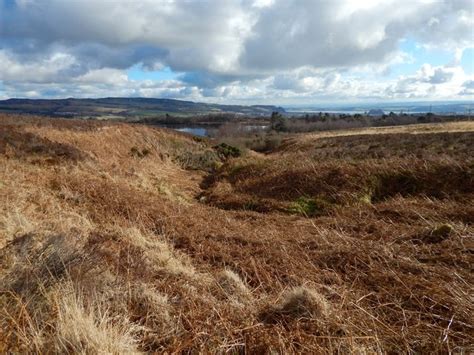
117,238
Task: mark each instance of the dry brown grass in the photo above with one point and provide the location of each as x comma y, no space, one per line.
298,303
462,126
84,331
361,243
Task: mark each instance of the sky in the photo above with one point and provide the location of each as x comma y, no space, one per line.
239,51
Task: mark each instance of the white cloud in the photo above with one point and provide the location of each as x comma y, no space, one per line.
45,70
429,82
104,76
293,33
230,49
209,33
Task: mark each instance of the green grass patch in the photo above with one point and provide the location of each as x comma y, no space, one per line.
310,207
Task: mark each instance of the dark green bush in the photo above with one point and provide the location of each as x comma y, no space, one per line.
226,151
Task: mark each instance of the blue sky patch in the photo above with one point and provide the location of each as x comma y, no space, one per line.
421,55
467,61
138,73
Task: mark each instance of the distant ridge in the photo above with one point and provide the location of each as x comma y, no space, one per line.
126,107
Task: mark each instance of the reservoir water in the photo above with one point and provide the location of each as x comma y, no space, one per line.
197,131
210,130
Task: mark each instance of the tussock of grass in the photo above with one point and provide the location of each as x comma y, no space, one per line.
151,312
160,255
233,287
14,223
82,330
300,302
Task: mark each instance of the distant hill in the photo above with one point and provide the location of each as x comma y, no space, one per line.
376,112
126,108
410,107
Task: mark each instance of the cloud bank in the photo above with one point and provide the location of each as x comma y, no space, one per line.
278,51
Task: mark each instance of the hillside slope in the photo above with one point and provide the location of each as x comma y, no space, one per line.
118,238
125,107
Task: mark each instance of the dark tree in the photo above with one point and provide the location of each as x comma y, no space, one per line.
278,122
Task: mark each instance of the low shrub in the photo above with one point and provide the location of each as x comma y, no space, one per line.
207,160
226,151
264,143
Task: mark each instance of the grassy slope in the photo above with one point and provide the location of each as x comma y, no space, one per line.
362,242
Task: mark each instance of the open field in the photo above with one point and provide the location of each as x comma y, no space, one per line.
123,238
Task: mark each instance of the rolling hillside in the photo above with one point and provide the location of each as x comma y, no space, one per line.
125,108
119,238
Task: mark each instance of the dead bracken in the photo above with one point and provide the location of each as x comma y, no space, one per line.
119,238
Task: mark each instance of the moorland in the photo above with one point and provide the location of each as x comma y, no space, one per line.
119,238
